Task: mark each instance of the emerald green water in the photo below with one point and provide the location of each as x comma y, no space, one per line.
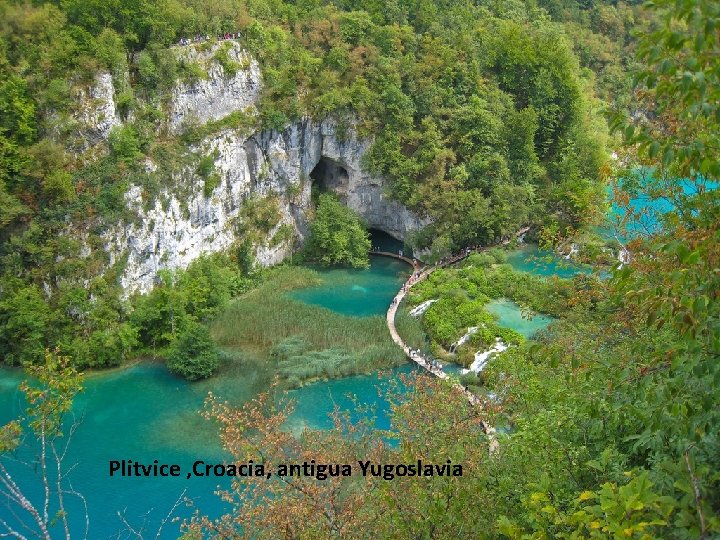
145,413
142,413
529,258
315,402
357,292
510,316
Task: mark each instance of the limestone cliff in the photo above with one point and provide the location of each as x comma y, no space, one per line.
218,93
95,116
282,165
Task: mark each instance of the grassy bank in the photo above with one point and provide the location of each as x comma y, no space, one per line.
410,329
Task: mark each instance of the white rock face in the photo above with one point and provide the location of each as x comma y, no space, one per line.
295,153
97,113
218,95
265,164
183,224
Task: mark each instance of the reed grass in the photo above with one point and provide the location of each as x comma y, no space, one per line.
335,362
304,341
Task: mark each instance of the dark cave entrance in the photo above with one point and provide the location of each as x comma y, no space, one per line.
329,176
382,241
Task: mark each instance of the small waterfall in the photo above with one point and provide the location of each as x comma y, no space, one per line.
623,255
573,250
463,340
422,308
483,357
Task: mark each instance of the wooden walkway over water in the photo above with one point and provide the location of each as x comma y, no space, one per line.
419,275
412,262
426,363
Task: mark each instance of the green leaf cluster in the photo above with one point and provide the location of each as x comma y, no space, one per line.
337,235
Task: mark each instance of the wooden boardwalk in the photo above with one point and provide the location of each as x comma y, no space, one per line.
418,276
412,262
426,363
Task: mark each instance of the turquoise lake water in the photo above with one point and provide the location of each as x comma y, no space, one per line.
650,210
315,402
510,316
145,413
544,263
357,292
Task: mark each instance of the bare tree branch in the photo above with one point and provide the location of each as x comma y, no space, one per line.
178,502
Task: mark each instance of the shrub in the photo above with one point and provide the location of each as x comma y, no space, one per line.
59,186
125,143
206,165
222,57
211,182
206,170
258,216
465,356
337,236
471,379
500,255
193,354
483,260
191,72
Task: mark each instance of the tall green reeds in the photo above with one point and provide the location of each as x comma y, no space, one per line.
305,341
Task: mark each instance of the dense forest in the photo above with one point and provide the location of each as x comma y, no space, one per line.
485,116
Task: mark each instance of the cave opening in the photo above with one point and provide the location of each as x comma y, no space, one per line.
382,241
329,176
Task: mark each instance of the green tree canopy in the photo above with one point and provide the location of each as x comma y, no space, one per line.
193,354
337,236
